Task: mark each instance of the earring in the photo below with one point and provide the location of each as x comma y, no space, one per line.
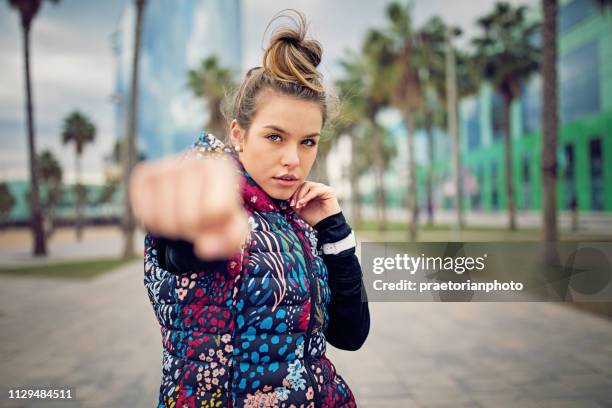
237,148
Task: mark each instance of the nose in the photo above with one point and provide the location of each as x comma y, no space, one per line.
290,157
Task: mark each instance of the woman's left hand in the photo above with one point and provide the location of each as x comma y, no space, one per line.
314,202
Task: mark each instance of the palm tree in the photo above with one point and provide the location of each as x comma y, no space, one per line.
507,55
51,185
379,77
129,156
407,94
352,112
27,10
79,131
430,61
211,81
431,58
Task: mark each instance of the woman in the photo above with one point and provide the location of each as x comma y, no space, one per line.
249,283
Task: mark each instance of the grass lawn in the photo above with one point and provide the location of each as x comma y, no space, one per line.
398,232
83,269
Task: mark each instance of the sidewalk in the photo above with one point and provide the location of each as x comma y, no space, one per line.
101,337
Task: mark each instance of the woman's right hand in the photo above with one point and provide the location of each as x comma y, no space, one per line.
194,200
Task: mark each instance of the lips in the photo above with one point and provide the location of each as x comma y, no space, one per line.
286,180
286,177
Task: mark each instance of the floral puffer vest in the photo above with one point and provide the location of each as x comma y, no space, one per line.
248,332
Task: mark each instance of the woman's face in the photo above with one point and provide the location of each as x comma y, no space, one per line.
282,142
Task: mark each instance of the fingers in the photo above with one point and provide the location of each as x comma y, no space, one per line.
186,199
298,193
224,241
307,187
314,192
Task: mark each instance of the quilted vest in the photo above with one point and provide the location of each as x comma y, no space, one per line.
249,331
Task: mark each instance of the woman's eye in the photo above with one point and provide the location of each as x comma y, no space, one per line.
274,137
310,142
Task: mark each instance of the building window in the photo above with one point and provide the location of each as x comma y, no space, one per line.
574,12
579,82
568,176
531,104
596,170
473,125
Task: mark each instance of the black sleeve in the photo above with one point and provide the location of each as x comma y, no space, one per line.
177,256
349,316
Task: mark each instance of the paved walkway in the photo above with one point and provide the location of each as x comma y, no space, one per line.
101,337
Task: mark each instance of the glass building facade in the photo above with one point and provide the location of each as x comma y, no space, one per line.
585,128
176,37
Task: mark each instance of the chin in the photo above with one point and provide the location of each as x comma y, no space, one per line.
279,194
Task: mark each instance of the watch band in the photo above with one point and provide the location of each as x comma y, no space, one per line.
334,248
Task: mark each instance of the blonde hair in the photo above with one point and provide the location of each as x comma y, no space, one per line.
289,67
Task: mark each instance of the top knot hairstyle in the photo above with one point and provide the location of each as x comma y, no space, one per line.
289,68
292,58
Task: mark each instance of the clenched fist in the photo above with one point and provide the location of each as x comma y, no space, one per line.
194,200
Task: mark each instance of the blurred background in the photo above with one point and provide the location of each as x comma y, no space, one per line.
458,121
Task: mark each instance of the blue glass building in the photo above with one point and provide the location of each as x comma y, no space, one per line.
176,36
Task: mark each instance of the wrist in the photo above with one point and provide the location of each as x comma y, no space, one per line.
332,229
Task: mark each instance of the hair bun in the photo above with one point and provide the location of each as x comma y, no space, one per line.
290,56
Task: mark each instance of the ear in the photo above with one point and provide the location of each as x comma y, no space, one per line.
236,133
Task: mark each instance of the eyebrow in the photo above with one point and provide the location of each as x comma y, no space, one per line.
276,128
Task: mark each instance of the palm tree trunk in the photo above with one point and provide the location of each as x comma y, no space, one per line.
355,193
411,188
549,121
129,224
508,163
36,219
453,127
430,151
79,199
379,173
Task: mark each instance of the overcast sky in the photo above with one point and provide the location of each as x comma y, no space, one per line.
72,63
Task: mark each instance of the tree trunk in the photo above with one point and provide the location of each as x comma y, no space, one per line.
411,201
453,128
549,121
36,218
379,173
355,193
129,224
430,151
510,202
79,199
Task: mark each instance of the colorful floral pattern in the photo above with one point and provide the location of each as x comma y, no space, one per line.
235,334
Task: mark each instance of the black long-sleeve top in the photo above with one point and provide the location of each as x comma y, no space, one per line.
349,316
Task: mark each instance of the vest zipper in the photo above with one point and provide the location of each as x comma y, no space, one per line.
312,280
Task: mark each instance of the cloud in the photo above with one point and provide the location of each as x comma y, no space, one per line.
71,68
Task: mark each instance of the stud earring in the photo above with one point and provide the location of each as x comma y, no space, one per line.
237,148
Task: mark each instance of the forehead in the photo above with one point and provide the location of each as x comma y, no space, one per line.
289,113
